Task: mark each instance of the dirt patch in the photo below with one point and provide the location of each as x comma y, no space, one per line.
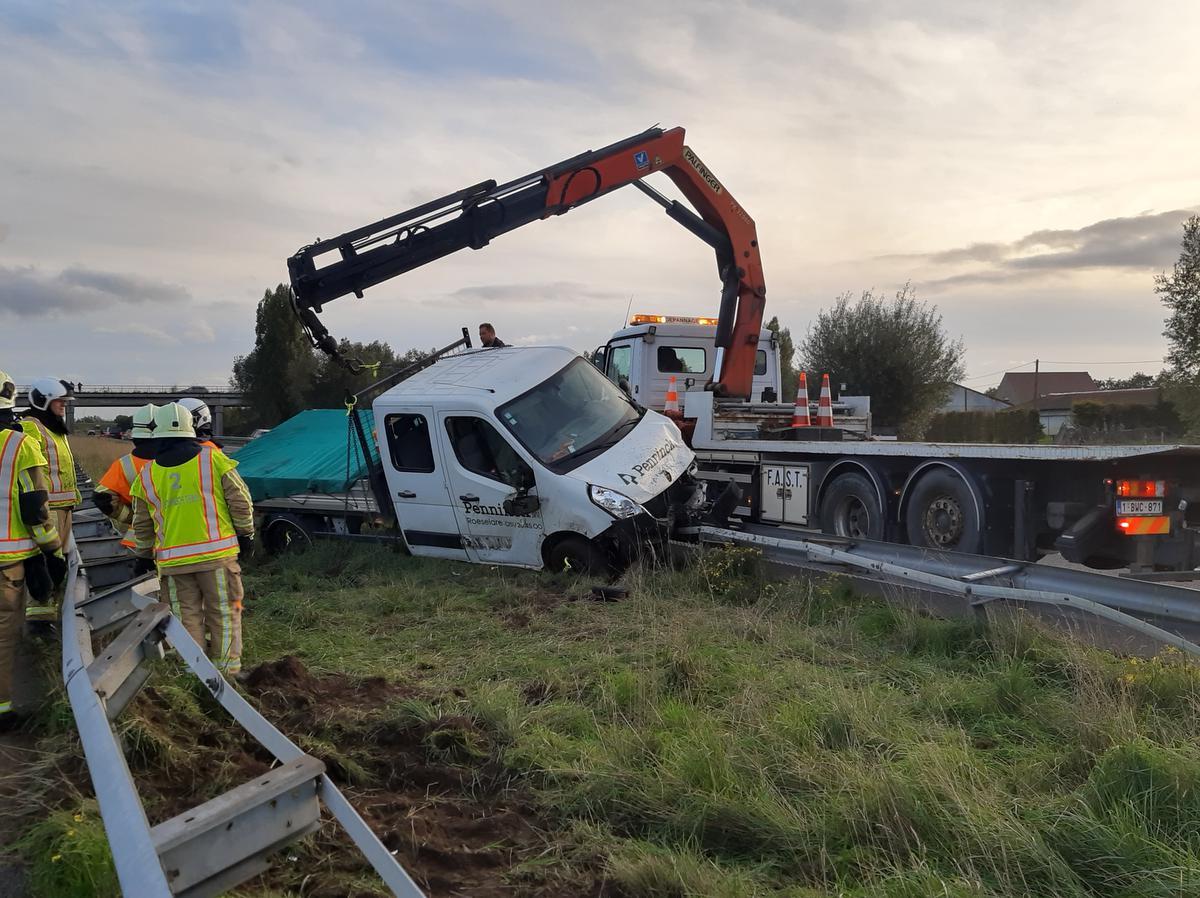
430,786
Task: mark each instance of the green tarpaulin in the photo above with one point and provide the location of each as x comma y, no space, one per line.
306,454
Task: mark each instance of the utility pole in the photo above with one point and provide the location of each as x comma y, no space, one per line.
1037,364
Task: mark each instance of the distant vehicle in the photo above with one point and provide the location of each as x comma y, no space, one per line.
92,432
259,432
113,433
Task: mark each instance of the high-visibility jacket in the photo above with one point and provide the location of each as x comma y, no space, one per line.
20,461
191,518
61,463
117,480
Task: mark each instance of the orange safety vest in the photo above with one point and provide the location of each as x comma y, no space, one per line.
118,478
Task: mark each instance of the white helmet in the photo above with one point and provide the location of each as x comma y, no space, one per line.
201,416
45,390
8,391
143,422
172,420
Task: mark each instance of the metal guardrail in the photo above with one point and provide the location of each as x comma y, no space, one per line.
982,580
223,842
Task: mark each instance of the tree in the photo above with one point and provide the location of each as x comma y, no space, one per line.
331,381
1133,382
1180,293
275,374
789,377
894,350
123,422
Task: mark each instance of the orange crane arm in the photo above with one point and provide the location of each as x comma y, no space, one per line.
470,218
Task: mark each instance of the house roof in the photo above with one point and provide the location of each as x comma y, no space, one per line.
1017,387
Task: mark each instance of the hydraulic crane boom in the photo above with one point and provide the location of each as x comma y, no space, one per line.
472,217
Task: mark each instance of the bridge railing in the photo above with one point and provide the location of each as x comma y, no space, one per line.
177,389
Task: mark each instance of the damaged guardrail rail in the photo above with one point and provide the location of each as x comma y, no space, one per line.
223,842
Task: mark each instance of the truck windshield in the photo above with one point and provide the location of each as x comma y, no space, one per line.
570,417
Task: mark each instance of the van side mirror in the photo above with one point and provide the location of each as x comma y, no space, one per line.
522,504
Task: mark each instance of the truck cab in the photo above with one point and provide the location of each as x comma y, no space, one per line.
643,356
528,456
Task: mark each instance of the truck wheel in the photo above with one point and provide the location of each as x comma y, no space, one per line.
942,514
576,554
283,535
850,507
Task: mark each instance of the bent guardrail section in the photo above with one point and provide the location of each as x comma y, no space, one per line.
222,842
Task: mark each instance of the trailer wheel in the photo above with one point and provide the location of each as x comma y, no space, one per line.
283,535
850,507
577,554
942,514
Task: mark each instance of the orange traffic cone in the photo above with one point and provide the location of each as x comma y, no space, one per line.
825,408
800,415
672,404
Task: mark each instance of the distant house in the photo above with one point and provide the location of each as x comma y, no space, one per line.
1018,387
964,399
1056,409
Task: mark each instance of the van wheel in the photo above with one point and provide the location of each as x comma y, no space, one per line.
850,507
577,555
286,535
942,514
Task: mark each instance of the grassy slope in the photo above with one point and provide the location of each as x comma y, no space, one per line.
715,735
95,454
711,735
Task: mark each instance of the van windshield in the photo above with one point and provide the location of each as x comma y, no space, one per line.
570,417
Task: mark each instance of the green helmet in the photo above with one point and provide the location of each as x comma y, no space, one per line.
143,422
172,420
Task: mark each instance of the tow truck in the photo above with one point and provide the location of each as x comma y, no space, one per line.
729,453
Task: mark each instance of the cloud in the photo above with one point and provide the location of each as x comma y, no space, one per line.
1137,243
28,292
200,331
131,329
553,291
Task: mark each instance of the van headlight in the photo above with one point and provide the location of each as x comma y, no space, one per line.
616,504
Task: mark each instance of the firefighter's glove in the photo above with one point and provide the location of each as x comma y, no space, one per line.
104,501
37,579
56,567
142,566
245,545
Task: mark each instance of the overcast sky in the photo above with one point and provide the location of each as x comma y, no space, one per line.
1025,165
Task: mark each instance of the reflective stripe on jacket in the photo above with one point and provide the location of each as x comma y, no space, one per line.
118,480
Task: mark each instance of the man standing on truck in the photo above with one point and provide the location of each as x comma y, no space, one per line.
111,495
488,338
46,424
192,513
29,544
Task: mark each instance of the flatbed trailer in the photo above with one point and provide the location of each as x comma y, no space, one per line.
1102,506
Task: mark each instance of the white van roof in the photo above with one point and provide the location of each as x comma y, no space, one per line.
672,329
506,372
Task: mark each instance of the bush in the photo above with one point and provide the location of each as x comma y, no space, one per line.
1017,426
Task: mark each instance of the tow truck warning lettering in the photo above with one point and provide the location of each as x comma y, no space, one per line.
702,170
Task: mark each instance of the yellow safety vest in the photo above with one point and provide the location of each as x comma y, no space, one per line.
191,518
63,493
17,454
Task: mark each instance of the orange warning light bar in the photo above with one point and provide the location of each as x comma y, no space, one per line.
672,319
1141,526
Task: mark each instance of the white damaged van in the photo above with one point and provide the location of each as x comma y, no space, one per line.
529,456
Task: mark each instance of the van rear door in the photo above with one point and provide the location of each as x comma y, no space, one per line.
417,482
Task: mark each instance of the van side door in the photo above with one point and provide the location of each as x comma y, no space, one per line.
417,480
484,471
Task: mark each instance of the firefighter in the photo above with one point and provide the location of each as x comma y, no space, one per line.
201,421
111,495
46,423
29,546
192,514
